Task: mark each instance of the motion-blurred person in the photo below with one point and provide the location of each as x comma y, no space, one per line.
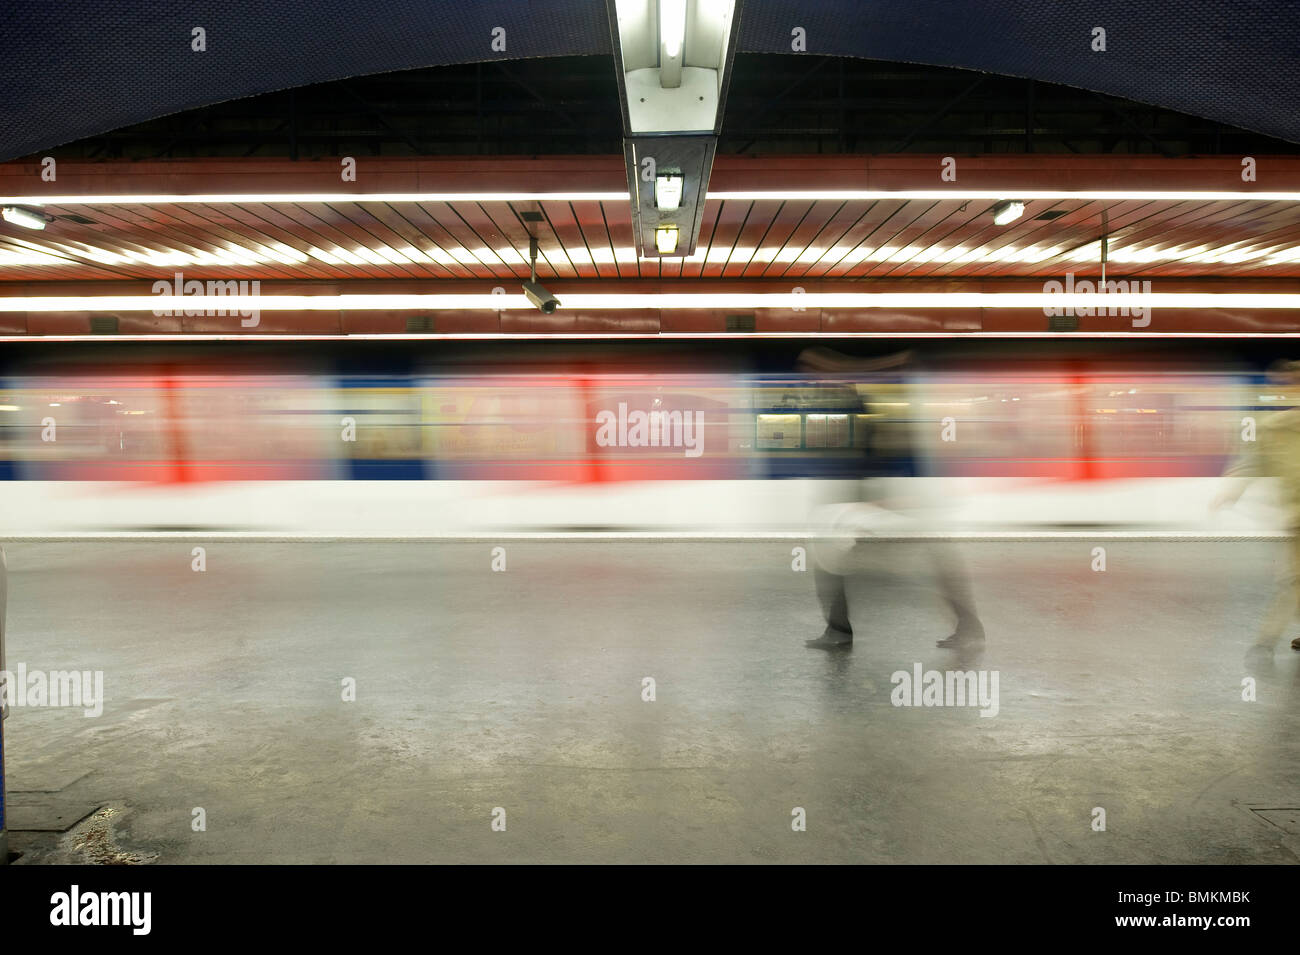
1275,453
871,488
4,709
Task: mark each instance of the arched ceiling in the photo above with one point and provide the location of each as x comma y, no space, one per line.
78,68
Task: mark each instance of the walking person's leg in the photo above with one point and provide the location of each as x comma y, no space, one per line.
955,586
826,561
1285,605
835,609
1294,588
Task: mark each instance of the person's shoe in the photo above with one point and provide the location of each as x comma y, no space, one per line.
1295,644
965,636
832,639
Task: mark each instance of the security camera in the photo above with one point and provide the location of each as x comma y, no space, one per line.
534,290
543,299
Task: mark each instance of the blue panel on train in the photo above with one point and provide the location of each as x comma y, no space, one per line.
782,467
364,469
380,381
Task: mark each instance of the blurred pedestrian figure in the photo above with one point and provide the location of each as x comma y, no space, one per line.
834,371
5,690
1275,453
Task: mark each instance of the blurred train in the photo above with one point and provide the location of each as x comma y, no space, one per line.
195,424
610,437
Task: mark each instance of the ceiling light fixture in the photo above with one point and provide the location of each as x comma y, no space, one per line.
668,191
1009,210
23,217
672,26
666,239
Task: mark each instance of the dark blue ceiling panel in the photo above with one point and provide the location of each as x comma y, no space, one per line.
77,68
1234,61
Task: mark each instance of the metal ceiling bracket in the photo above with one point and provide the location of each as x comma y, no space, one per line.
673,59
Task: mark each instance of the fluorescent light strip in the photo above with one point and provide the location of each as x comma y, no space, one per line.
1117,195
746,195
1201,255
682,300
325,197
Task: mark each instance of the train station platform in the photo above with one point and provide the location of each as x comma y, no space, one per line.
523,689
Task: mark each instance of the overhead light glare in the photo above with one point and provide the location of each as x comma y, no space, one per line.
1009,210
668,192
666,239
672,26
23,217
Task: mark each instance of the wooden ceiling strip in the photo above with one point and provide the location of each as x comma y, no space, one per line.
919,215
274,221
693,265
552,261
883,217
436,241
402,235
977,230
331,231
801,238
477,253
1085,228
1187,228
491,236
830,237
591,223
758,217
784,220
236,218
214,229
622,235
114,229
727,227
506,221
943,235
569,239
370,222
76,267
871,215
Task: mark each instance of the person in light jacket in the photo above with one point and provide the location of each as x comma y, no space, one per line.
1275,453
834,371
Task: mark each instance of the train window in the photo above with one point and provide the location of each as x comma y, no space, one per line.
861,430
776,431
827,431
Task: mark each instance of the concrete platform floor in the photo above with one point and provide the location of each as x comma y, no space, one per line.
523,690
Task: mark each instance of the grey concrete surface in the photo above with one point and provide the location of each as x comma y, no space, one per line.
523,690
